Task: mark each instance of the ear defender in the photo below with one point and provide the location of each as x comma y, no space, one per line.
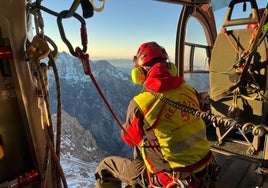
172,68
138,75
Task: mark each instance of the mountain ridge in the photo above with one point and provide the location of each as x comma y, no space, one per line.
81,99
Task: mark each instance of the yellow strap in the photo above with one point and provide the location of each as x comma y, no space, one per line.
250,98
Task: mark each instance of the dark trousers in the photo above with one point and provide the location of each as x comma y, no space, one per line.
114,170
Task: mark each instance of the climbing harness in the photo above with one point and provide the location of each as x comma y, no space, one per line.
200,174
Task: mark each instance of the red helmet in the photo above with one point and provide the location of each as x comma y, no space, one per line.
147,51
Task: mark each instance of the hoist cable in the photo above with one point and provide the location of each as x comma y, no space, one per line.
196,112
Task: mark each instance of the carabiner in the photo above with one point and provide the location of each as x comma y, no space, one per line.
83,32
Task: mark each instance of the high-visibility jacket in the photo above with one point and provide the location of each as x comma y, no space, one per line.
180,135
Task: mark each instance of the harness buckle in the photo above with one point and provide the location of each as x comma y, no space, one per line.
182,183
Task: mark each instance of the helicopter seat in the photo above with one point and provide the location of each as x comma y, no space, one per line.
238,80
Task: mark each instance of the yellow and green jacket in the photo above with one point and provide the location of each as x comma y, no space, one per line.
168,137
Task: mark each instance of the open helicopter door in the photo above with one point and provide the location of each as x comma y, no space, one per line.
22,142
238,78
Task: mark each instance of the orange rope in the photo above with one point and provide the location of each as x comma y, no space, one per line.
253,37
224,31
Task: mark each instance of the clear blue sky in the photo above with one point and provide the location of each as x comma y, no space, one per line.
121,27
118,30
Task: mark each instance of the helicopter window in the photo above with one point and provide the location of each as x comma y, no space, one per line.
196,56
196,48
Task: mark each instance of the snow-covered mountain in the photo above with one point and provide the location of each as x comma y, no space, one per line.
81,99
80,154
78,142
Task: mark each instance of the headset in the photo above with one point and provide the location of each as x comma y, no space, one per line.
138,74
